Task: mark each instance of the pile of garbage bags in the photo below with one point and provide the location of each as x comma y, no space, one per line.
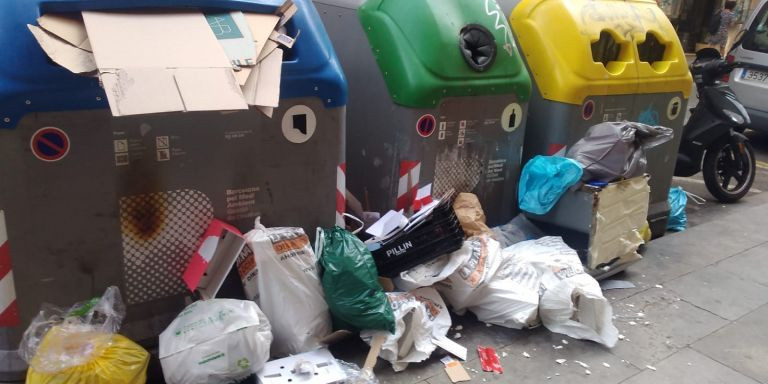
511,276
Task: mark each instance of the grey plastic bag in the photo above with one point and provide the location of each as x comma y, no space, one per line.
614,150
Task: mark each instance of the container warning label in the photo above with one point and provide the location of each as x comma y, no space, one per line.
241,203
495,171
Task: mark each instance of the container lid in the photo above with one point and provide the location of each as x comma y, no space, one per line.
578,48
431,49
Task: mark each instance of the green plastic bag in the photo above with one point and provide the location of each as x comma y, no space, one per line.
351,283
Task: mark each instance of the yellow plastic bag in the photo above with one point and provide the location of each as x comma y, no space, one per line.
106,359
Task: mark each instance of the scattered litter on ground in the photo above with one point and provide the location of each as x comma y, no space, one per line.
488,325
630,305
459,327
647,323
557,346
606,365
564,341
587,372
659,286
549,377
632,323
504,354
652,368
622,337
640,314
489,360
526,355
561,361
584,365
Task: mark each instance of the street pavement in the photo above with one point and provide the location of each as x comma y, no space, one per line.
697,315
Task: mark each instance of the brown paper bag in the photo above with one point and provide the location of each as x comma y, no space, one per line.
471,215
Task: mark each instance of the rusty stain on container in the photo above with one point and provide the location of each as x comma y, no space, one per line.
145,218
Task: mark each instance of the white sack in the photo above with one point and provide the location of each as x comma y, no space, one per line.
571,301
290,292
215,341
421,321
482,257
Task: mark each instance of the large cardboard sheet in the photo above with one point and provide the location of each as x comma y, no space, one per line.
141,55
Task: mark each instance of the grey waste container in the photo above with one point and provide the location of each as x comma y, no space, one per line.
438,95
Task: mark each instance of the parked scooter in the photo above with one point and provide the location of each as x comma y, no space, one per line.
713,141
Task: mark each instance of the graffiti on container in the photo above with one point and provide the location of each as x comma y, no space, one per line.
649,116
499,24
621,17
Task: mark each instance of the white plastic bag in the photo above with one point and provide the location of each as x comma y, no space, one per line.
421,322
433,271
571,301
481,257
215,341
290,292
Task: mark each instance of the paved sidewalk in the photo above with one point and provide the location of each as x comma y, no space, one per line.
703,299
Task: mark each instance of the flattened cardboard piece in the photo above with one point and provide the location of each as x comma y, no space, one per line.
62,53
176,46
242,75
234,35
180,39
251,85
268,84
268,111
68,27
326,369
269,47
141,90
286,12
219,247
209,89
455,370
262,26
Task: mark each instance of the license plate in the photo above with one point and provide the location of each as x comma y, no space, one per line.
752,75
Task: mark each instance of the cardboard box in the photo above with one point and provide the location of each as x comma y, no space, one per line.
219,248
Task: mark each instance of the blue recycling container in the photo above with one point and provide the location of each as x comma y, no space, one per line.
88,200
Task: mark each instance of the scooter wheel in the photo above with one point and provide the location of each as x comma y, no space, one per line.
729,170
